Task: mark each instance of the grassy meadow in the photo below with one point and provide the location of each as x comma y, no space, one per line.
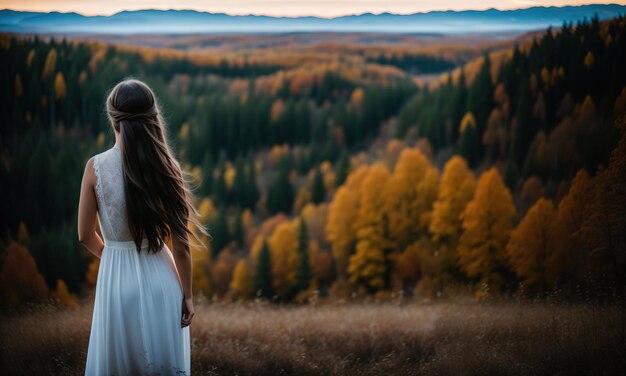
396,337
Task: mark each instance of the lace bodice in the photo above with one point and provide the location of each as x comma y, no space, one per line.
110,195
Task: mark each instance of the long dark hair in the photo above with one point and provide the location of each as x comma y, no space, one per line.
159,202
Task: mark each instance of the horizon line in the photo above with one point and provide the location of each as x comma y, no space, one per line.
313,16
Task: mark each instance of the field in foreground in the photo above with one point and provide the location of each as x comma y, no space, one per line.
352,339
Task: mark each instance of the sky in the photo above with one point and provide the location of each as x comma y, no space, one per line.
292,8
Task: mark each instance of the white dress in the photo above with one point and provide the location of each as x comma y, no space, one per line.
136,324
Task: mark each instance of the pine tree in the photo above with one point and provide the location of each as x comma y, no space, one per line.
469,143
318,191
480,97
303,277
252,190
238,231
220,193
263,273
207,175
239,185
457,105
343,167
524,128
219,231
281,192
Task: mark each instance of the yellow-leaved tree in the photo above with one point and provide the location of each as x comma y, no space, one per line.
92,272
50,64
284,252
242,283
342,214
487,222
456,190
65,296
357,97
367,266
409,196
222,271
426,195
535,250
469,143
202,263
60,88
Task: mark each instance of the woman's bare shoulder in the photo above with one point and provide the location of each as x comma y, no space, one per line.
90,169
92,162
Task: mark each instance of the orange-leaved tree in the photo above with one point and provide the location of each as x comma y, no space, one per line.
342,214
20,280
242,282
367,267
604,228
535,250
283,244
572,211
487,225
65,296
456,190
409,196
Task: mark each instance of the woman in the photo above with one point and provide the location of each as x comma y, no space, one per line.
143,303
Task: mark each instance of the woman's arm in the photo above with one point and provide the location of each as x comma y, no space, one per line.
87,212
182,258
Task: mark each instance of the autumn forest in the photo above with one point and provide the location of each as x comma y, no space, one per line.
337,170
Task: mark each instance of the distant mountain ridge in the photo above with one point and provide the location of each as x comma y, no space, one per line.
153,21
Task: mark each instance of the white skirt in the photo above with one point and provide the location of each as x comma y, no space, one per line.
136,324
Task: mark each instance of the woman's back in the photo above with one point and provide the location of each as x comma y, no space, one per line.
110,194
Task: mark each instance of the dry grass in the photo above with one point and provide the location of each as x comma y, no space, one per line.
462,338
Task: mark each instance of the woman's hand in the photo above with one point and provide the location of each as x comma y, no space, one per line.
188,311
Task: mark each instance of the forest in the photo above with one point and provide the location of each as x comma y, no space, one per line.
339,174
